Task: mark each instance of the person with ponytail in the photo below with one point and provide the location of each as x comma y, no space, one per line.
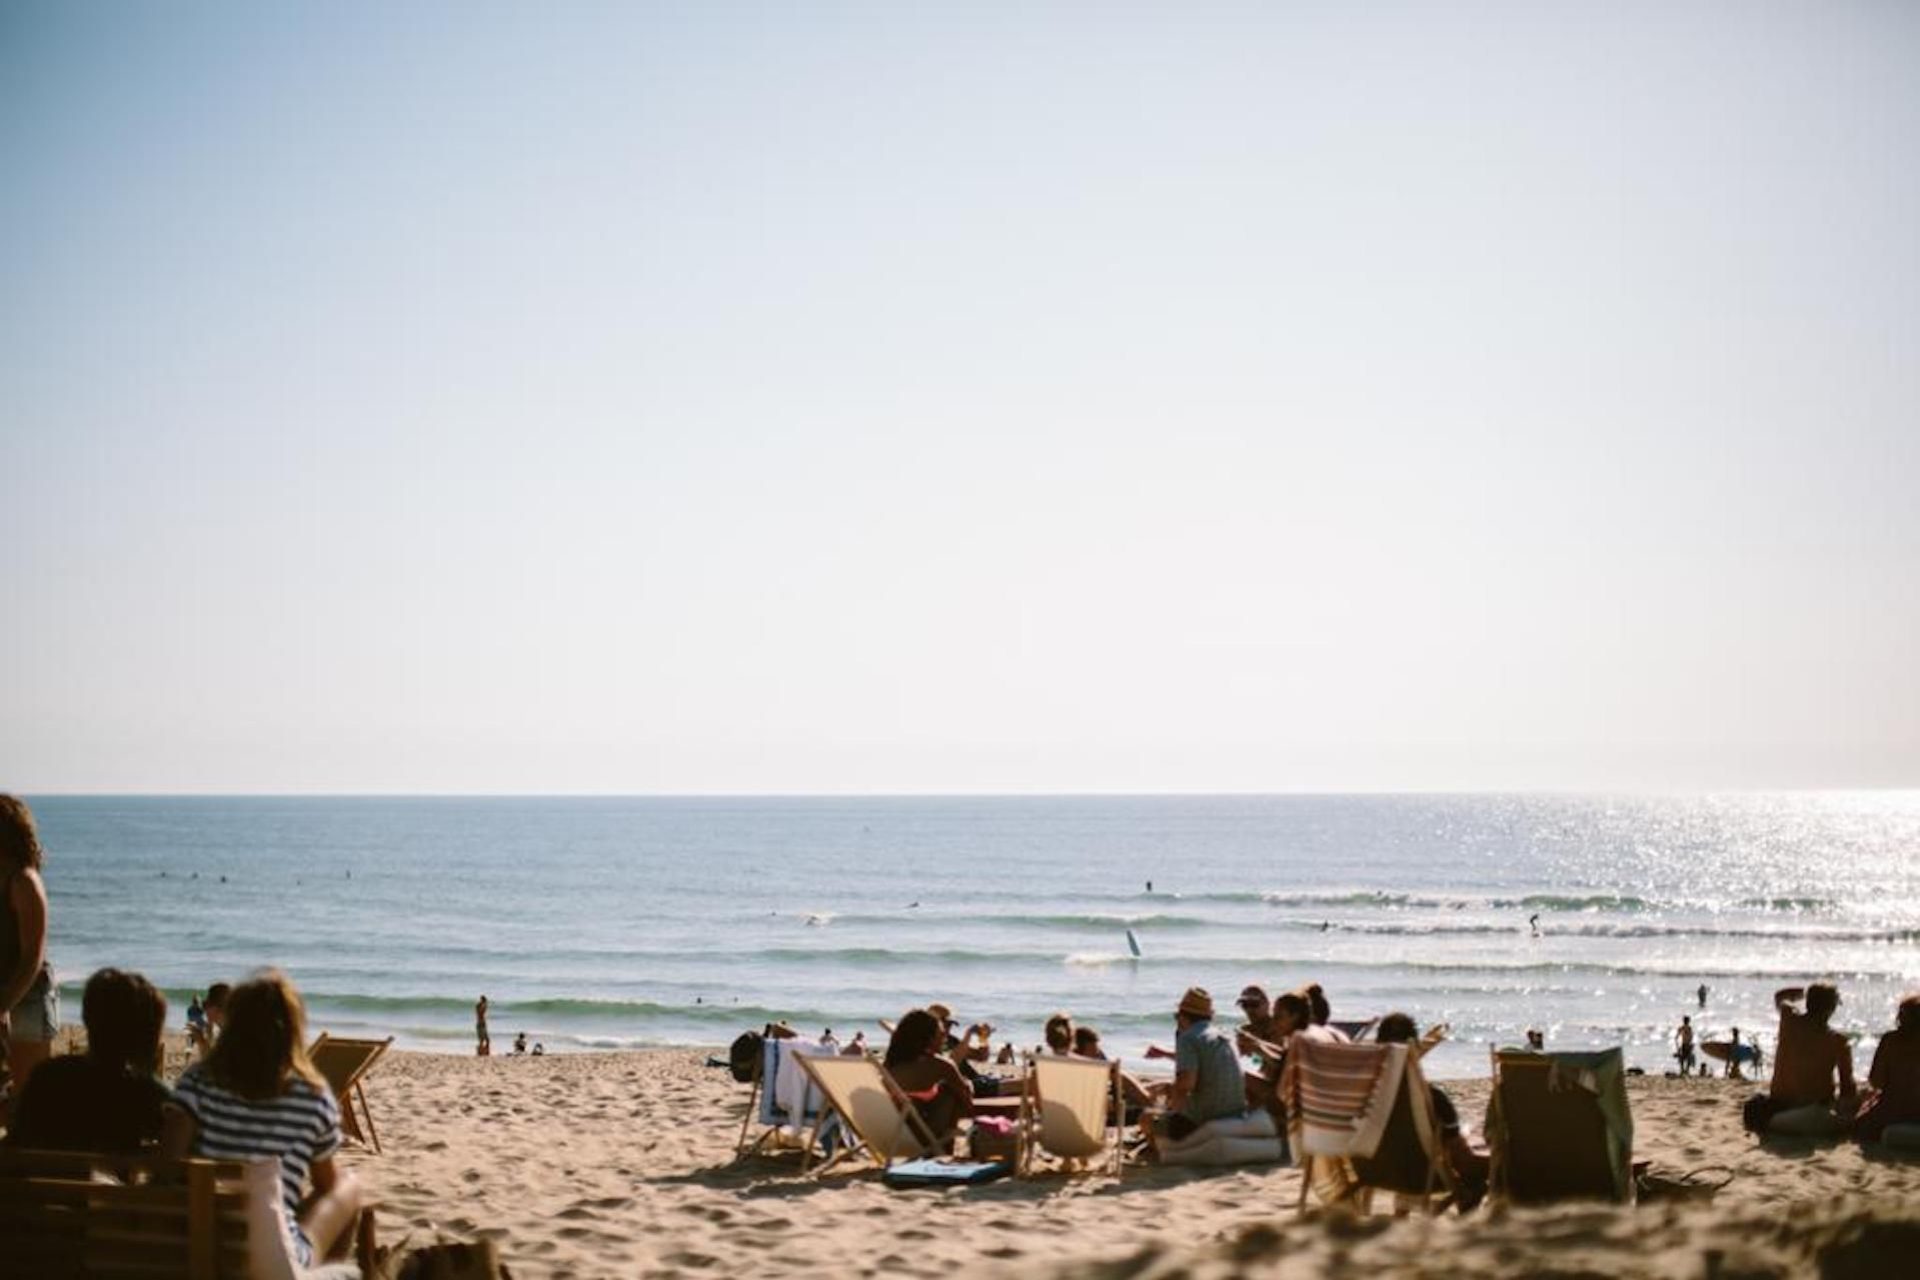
256,1094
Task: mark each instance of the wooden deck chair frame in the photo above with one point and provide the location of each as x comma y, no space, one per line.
347,1084
820,1071
1500,1132
67,1213
1028,1128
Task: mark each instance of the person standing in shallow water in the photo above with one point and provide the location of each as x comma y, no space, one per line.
483,1043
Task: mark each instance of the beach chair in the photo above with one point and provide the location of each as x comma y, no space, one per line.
1340,1100
1071,1109
882,1121
1355,1031
1560,1127
345,1064
1410,1161
121,1217
784,1100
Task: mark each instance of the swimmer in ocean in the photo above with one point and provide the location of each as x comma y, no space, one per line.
1533,923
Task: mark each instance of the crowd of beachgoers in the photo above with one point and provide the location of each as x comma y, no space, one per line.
1232,1099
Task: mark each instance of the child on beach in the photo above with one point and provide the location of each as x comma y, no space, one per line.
257,1095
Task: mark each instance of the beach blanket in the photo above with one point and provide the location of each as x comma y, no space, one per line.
1342,1095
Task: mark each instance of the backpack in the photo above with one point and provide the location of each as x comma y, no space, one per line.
745,1056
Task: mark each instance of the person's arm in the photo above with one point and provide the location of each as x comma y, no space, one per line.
1156,1051
962,1091
1847,1088
27,899
1182,1087
1786,997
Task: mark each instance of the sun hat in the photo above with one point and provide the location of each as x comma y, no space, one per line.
941,1012
1196,1003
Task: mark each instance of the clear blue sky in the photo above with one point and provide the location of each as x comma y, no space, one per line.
875,397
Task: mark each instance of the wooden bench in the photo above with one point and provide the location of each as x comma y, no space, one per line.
66,1214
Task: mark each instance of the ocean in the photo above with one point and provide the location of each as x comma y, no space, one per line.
601,923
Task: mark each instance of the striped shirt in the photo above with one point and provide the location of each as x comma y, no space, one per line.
300,1126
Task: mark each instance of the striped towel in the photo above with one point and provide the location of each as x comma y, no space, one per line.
1342,1095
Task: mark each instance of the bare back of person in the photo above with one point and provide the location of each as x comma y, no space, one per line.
1808,1060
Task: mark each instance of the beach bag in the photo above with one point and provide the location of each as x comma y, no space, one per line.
745,1056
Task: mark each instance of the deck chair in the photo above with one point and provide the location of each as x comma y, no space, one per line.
1340,1101
1559,1127
784,1101
883,1122
1410,1161
345,1063
1071,1109
114,1217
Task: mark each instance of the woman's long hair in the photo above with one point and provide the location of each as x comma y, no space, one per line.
916,1035
265,1040
19,838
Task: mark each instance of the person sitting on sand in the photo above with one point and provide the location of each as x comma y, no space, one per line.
1086,1044
1320,1012
917,1063
1469,1164
965,1050
1206,1104
1894,1078
258,1095
107,1099
1812,1091
520,1044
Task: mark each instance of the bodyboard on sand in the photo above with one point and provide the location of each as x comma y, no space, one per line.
944,1173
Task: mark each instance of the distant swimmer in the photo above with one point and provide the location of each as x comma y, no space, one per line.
1325,925
1702,995
1149,886
1533,923
912,905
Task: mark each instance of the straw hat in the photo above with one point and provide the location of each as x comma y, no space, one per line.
941,1012
1196,1003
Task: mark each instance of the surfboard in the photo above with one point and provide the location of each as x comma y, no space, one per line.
1721,1050
1133,944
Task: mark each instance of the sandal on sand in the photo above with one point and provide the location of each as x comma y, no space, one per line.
1695,1185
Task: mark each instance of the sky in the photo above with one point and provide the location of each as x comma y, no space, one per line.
871,398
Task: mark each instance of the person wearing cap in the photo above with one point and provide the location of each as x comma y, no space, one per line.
1207,1087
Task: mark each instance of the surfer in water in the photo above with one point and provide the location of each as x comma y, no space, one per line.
1533,923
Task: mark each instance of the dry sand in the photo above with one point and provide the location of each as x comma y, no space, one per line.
621,1165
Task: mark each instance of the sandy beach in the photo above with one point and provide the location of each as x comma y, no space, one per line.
621,1164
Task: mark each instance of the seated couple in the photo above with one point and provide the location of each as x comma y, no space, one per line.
1813,1092
1207,1119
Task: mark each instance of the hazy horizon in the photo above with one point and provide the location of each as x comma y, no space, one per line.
841,400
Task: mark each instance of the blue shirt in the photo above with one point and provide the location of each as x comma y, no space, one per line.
1210,1057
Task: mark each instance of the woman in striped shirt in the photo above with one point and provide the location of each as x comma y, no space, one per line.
255,1095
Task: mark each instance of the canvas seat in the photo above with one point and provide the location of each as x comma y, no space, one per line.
1560,1127
884,1124
1070,1109
344,1063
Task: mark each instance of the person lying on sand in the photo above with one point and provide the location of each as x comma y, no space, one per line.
1894,1078
917,1063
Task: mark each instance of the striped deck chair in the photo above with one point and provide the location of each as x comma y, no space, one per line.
1071,1109
1339,1099
1410,1161
1560,1127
